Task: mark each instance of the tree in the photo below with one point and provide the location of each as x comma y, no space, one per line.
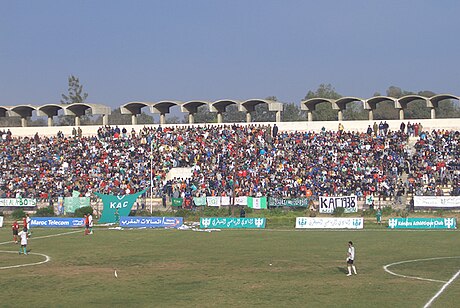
292,112
75,95
203,115
75,92
324,111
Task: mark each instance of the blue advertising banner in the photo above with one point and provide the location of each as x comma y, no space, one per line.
56,222
150,222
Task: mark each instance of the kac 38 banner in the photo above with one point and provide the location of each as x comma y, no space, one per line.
329,204
329,223
56,222
422,223
232,223
150,222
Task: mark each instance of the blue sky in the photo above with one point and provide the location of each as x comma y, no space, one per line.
184,50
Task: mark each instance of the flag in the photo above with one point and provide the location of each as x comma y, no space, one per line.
177,201
257,203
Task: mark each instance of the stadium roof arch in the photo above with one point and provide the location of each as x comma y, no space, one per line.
250,106
191,107
310,105
220,106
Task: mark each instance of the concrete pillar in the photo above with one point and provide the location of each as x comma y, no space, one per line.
248,117
219,117
310,116
370,115
433,113
191,118
278,116
77,121
105,119
162,118
24,122
340,115
133,119
50,121
401,114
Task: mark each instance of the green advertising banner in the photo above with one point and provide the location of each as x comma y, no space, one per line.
177,201
73,203
112,203
199,201
422,223
291,202
232,223
257,203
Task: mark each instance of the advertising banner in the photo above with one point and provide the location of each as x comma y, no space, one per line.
257,203
71,204
232,223
1,221
199,201
177,201
290,202
437,202
329,223
328,204
17,202
56,222
150,222
422,223
213,201
241,200
112,204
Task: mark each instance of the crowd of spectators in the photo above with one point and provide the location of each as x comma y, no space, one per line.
252,160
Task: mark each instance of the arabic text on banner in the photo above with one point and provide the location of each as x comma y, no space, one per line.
150,222
329,223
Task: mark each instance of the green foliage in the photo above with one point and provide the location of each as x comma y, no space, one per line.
75,92
439,213
83,210
18,214
45,212
292,113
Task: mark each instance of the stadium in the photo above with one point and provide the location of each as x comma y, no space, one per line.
229,153
226,207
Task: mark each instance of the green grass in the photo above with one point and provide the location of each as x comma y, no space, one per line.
171,268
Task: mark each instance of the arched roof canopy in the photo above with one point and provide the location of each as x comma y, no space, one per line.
344,101
402,102
310,104
433,102
372,102
79,109
22,111
250,104
221,105
134,108
192,106
3,111
163,107
49,110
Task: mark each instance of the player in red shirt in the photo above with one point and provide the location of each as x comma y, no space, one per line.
15,228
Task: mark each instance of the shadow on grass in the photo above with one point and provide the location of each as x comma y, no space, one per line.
342,269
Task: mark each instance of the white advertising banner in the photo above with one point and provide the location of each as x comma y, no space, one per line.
213,201
19,202
1,221
329,223
445,202
328,204
241,200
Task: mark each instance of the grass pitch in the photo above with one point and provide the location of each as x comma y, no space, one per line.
231,268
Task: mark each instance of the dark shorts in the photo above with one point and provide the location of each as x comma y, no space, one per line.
349,261
87,226
15,232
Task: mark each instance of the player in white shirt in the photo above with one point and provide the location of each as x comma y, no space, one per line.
351,259
23,235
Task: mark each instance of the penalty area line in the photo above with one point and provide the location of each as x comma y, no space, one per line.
428,304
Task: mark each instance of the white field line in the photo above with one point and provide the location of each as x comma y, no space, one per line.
416,260
47,258
441,290
45,236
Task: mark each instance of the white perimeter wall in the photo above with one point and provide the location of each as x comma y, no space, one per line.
361,126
